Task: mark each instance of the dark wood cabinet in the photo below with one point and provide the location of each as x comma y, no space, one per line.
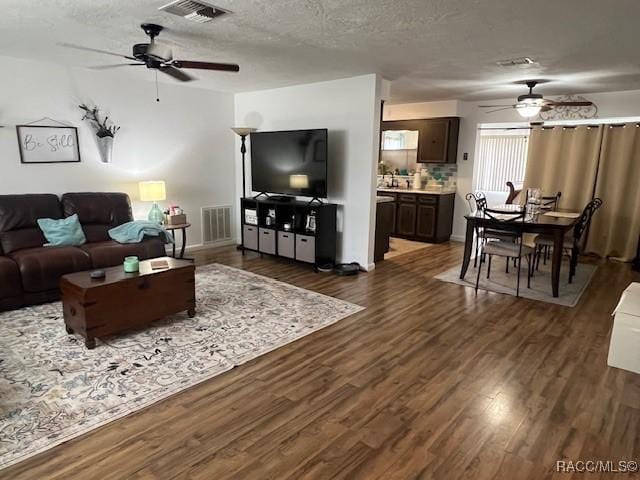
426,221
394,215
432,141
437,137
406,219
423,216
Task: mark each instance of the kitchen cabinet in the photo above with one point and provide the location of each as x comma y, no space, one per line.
437,137
426,221
385,213
406,219
426,217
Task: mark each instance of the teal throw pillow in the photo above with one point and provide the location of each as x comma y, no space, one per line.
63,232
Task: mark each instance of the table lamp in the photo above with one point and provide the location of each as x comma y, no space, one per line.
153,192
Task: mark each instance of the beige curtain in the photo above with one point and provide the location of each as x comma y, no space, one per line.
616,225
562,159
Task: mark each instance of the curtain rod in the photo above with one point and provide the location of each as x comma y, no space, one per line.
505,128
550,127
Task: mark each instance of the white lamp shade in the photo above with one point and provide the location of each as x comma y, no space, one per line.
529,108
152,191
243,131
298,181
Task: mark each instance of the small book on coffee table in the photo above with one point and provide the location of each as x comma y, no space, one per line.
159,264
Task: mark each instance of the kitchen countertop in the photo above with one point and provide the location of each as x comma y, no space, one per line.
411,190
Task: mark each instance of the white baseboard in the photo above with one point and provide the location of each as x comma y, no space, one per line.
368,268
201,246
458,238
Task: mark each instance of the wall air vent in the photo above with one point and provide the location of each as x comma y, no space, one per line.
196,11
216,224
516,62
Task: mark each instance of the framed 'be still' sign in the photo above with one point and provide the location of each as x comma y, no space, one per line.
46,144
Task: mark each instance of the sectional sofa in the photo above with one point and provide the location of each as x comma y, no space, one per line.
30,272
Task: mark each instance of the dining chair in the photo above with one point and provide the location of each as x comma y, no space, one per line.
572,242
548,203
515,223
477,204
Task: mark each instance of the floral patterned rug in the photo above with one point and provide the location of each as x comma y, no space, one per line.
53,389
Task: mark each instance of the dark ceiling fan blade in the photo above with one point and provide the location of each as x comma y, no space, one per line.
95,50
106,67
546,108
570,104
175,73
225,67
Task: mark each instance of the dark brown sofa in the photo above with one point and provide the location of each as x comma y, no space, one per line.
30,272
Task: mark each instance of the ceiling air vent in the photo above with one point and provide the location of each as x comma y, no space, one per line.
516,62
195,11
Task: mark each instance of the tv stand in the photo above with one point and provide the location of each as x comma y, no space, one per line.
283,230
315,199
281,198
260,194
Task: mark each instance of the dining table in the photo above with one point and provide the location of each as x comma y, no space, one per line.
556,224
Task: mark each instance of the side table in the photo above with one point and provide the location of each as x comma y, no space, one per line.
172,228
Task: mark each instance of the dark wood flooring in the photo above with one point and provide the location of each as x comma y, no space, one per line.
429,381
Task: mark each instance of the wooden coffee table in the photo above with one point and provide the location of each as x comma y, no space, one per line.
120,301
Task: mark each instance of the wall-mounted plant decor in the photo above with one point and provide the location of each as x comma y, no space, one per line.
105,131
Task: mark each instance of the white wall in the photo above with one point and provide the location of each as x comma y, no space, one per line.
610,105
350,109
413,111
184,139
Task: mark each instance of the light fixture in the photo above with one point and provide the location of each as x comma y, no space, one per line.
529,107
153,191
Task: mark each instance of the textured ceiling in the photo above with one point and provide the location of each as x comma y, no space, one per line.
430,49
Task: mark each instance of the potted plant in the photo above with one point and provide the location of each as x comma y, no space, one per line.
105,131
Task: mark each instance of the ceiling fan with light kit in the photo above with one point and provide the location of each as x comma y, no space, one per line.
158,57
531,104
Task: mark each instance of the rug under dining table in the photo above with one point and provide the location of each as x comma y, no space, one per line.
502,282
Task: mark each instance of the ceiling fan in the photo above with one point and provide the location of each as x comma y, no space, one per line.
531,104
158,57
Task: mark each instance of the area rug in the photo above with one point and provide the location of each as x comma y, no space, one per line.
502,282
53,389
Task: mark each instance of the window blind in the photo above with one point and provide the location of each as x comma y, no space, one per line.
501,158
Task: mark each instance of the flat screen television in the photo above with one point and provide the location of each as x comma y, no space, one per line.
290,162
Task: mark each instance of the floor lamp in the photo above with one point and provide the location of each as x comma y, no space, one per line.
242,132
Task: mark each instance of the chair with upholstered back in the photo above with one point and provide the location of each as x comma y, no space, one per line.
514,223
572,244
